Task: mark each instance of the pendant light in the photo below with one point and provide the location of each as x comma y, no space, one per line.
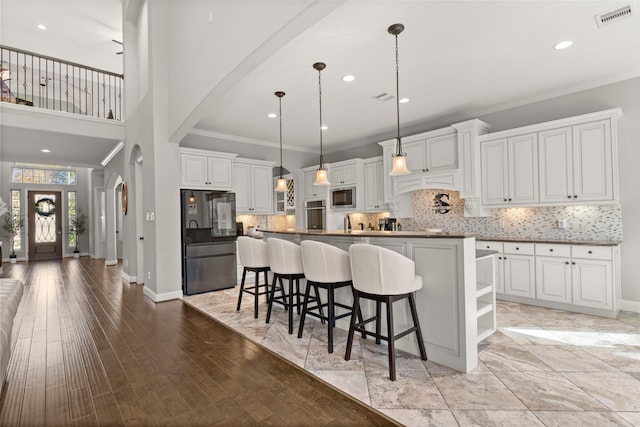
321,173
399,158
281,186
192,197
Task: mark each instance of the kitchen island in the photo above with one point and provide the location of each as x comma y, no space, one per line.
456,305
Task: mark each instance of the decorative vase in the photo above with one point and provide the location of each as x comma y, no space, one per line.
76,254
12,259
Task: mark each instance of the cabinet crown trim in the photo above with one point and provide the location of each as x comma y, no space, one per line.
612,114
253,161
199,152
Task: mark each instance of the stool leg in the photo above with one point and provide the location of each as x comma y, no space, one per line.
392,338
319,304
331,321
378,320
282,294
298,295
416,323
359,312
304,308
352,325
290,303
266,285
255,295
244,275
270,305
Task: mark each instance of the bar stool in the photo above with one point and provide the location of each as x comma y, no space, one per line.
326,267
253,257
382,275
285,260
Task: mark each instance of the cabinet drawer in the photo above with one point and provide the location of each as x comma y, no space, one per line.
519,248
553,249
591,252
490,245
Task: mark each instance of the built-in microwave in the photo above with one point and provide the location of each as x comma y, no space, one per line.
343,198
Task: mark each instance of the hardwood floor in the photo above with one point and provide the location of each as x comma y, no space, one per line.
93,350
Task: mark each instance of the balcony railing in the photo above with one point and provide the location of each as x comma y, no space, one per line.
54,84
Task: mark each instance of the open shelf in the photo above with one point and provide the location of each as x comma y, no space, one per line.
483,308
483,289
484,333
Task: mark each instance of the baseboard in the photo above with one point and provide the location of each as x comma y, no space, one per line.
127,278
111,262
630,306
161,297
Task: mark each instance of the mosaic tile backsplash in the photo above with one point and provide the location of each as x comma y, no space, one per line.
583,222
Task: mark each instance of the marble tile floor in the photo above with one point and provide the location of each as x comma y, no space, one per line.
542,367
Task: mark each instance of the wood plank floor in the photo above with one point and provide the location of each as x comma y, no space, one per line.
93,350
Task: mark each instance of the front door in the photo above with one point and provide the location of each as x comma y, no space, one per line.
45,225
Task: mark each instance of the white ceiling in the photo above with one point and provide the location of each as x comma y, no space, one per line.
458,59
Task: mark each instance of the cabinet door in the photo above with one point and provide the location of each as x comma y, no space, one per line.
242,187
553,279
220,172
373,186
261,189
337,175
350,174
555,155
519,275
193,170
415,156
523,169
592,283
441,153
494,172
592,162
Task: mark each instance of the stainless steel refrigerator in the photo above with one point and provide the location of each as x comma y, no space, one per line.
208,240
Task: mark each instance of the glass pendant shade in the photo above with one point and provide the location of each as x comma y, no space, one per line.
192,197
281,185
321,177
399,166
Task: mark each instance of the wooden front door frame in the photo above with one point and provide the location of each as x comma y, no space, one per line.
44,251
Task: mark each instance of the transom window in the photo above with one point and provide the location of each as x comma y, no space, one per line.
42,174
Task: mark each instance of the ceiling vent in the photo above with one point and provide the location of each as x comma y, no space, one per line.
383,97
613,16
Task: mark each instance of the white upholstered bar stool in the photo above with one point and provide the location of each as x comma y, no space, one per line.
285,260
326,267
383,275
253,257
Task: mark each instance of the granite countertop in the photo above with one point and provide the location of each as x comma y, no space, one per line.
439,235
372,233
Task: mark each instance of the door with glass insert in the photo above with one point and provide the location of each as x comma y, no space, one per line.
45,225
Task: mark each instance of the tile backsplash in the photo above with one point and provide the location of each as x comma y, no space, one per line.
583,222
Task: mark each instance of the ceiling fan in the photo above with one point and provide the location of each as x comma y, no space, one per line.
120,43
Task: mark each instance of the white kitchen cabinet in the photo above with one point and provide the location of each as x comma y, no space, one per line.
553,279
209,170
592,283
515,267
313,192
510,171
576,164
374,186
344,174
432,154
253,187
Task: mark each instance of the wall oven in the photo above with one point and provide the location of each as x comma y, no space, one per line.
343,198
315,211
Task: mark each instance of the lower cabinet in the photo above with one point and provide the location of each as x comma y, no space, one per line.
583,278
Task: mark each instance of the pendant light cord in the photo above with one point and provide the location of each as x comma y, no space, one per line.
320,104
399,141
280,116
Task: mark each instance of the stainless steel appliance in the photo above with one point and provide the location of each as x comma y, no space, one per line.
315,211
344,197
209,236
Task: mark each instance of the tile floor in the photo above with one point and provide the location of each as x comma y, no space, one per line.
542,367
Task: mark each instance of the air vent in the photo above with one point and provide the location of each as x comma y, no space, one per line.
613,16
383,97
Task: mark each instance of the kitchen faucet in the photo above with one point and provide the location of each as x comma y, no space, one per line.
193,220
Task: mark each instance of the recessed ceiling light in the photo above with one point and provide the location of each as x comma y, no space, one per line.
44,150
324,127
272,115
42,27
563,45
348,78
403,100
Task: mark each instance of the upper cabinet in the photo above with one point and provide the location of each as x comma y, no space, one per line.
253,185
344,174
207,170
574,160
432,154
509,171
374,185
576,164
